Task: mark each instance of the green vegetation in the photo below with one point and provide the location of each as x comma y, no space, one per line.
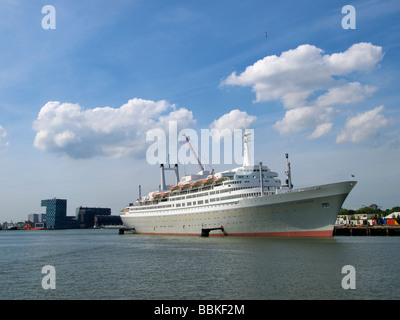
372,209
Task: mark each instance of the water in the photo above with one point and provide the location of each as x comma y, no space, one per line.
101,264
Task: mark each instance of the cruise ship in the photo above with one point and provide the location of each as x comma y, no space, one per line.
246,201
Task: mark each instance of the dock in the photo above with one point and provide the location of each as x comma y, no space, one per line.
366,231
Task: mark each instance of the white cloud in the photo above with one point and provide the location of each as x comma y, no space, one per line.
363,126
296,72
3,136
359,57
229,128
348,93
309,83
67,128
64,138
235,119
302,118
226,124
321,130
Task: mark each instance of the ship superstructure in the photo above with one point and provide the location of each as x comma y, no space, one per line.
246,201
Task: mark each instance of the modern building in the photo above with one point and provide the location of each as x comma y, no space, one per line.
107,221
56,215
37,217
33,217
89,217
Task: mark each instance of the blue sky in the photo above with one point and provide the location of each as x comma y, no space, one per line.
77,100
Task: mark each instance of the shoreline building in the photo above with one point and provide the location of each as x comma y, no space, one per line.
90,217
37,217
56,215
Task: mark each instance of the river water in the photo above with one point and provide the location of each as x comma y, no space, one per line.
101,264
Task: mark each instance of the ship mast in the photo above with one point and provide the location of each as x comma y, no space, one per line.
246,155
288,173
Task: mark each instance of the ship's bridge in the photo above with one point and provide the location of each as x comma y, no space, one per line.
249,176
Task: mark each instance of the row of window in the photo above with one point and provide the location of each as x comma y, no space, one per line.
203,194
200,202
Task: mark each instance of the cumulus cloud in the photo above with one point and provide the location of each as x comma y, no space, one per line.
67,128
363,126
226,125
321,130
235,119
3,136
303,118
310,83
348,93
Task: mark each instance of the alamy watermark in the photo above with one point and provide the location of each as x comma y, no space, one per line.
349,20
349,280
49,280
49,20
164,147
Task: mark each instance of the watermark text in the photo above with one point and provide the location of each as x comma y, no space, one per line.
207,149
349,20
49,280
49,20
349,280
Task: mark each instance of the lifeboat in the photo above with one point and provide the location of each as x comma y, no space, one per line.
196,184
207,181
177,187
156,195
185,186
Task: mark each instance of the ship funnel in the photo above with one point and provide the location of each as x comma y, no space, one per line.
176,174
163,186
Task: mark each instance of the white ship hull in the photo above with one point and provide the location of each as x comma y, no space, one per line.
308,212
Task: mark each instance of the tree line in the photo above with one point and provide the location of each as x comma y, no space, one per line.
369,210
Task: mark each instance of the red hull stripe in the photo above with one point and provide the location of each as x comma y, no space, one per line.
324,233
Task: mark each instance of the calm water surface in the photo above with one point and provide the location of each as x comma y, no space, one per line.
101,264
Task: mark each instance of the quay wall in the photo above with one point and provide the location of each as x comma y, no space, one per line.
367,231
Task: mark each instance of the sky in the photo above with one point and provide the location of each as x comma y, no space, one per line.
83,84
